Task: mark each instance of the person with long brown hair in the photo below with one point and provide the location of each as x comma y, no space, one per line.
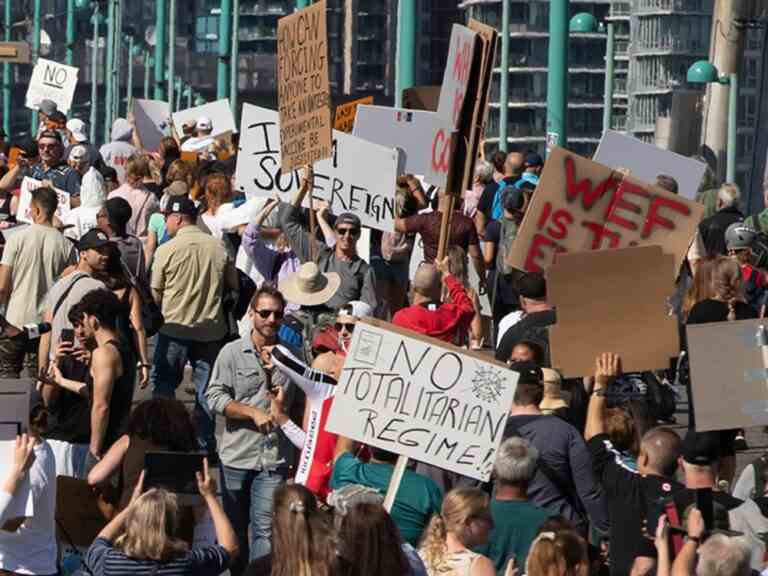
562,553
463,524
302,543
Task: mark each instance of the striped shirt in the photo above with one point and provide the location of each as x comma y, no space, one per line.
103,559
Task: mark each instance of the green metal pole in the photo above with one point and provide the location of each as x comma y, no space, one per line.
225,41
129,83
301,4
504,87
179,87
234,85
118,65
557,77
7,72
146,74
406,49
161,13
171,52
608,98
108,67
70,33
189,96
733,99
35,55
95,72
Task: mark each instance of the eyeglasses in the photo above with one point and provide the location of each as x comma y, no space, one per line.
347,231
278,314
348,326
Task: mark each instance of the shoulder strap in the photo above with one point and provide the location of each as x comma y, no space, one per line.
66,293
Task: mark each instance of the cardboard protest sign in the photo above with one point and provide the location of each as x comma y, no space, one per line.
359,178
456,76
344,118
303,87
422,398
15,52
52,81
646,162
582,205
218,112
25,201
422,136
80,515
153,121
421,98
627,312
729,373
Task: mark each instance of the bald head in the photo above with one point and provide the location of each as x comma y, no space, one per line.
662,447
427,282
513,165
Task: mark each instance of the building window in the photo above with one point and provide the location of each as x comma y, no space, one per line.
206,33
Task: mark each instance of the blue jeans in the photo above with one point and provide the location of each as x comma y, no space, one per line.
171,355
247,498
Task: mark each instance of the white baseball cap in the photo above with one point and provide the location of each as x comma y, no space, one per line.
77,127
204,123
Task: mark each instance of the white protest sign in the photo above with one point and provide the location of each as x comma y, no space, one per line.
422,398
28,184
456,74
646,162
52,81
153,121
423,136
360,177
218,112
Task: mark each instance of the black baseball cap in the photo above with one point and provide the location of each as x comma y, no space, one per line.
348,218
529,372
181,205
532,285
701,448
534,159
94,238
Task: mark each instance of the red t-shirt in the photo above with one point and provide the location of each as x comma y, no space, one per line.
463,232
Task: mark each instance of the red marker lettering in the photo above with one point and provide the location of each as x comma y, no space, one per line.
655,219
544,215
599,232
440,164
561,220
618,202
583,188
535,252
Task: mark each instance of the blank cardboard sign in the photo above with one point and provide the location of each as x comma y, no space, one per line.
729,374
612,301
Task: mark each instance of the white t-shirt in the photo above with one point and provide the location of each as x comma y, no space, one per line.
82,219
32,548
506,323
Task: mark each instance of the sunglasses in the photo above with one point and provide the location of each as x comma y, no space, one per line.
347,231
278,314
349,326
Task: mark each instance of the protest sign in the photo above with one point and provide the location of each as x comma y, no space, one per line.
80,512
422,136
52,81
15,394
218,112
422,398
729,374
627,312
28,184
582,205
303,88
456,75
15,53
153,121
646,162
344,119
421,98
359,178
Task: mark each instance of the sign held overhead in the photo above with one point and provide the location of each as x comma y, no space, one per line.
52,81
218,112
303,87
422,398
153,121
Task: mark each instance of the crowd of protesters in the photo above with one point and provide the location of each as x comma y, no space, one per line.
160,271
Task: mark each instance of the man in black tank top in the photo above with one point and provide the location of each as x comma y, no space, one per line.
111,375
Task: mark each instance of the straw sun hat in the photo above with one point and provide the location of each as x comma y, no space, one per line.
309,286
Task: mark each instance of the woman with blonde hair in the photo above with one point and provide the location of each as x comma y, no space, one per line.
143,203
142,539
562,553
464,523
302,544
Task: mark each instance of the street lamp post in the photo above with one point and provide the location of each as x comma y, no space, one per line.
234,85
504,84
585,23
35,55
108,67
7,72
95,18
225,41
147,72
557,77
118,64
161,12
405,73
171,52
129,81
704,72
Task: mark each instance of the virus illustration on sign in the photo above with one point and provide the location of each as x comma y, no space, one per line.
487,384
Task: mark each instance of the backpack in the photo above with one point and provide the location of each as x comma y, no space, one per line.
298,332
507,235
497,209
